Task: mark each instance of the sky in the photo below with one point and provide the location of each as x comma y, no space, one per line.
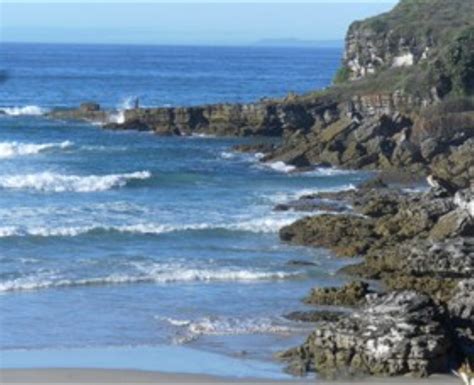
191,22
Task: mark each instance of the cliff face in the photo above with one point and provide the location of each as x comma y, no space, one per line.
415,31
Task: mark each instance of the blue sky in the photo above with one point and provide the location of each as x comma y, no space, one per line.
181,22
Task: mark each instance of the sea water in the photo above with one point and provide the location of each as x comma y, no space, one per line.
115,241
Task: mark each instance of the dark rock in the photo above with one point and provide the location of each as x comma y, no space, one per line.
129,125
461,311
373,183
305,204
89,107
254,148
297,262
349,295
315,316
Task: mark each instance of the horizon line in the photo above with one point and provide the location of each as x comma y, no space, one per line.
338,43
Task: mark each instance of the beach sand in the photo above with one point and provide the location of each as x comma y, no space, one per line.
109,376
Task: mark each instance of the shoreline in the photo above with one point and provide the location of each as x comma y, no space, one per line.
125,376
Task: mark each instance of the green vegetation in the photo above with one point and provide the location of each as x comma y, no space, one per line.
445,27
342,75
459,62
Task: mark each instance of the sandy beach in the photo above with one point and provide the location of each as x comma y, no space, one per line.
106,376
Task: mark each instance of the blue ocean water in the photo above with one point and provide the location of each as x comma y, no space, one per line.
122,240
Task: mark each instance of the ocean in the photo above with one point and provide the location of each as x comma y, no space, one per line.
128,245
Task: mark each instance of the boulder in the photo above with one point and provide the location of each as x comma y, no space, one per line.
393,334
351,294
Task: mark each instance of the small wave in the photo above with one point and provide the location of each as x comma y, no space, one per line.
221,326
12,149
285,197
264,225
26,110
52,182
158,274
245,157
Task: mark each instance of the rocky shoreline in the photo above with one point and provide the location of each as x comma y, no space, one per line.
421,248
403,105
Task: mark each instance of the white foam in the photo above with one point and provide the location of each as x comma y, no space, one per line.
260,225
222,326
328,171
53,182
119,115
12,149
228,155
26,110
145,274
285,197
280,166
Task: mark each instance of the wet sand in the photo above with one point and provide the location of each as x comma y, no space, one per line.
109,376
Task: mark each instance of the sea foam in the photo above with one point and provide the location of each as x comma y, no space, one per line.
160,274
221,326
260,225
26,110
53,182
12,149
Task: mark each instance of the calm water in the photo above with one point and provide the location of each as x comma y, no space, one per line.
123,240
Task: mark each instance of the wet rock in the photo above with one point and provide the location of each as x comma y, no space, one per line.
308,204
89,107
374,183
351,294
315,316
346,235
297,262
129,125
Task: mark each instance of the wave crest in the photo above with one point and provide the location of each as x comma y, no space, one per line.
12,149
52,182
265,225
25,110
158,274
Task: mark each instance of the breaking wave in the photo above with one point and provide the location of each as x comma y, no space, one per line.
159,274
52,182
265,225
280,166
12,149
26,110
